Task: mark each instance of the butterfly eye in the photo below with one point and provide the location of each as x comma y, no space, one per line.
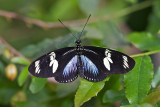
78,41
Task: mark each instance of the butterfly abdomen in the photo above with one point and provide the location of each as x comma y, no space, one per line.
80,67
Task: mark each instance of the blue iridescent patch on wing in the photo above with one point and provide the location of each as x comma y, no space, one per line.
71,66
89,66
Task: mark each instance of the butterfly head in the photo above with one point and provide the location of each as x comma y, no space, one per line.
78,42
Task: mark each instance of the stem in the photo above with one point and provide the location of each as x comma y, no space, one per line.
13,50
147,53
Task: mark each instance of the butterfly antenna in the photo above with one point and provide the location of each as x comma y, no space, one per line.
67,29
85,26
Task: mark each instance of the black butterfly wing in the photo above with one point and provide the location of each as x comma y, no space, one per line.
103,62
92,68
54,64
68,72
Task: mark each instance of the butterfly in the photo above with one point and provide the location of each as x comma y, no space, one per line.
89,62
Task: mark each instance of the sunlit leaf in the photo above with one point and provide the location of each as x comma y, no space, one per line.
23,76
138,81
20,60
144,41
87,90
37,84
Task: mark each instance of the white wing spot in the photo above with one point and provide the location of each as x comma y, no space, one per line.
37,66
107,60
125,62
54,62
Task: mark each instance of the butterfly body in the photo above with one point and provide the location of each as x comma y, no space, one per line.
89,62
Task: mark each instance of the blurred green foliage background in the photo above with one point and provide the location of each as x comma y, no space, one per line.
31,27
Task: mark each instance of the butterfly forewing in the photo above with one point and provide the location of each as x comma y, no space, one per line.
113,61
53,64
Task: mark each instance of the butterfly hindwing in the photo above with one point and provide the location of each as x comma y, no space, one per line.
55,64
92,71
93,68
69,72
114,62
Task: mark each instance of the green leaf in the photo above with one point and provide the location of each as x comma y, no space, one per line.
87,90
144,41
37,84
112,96
20,60
138,81
23,76
91,8
156,78
152,98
